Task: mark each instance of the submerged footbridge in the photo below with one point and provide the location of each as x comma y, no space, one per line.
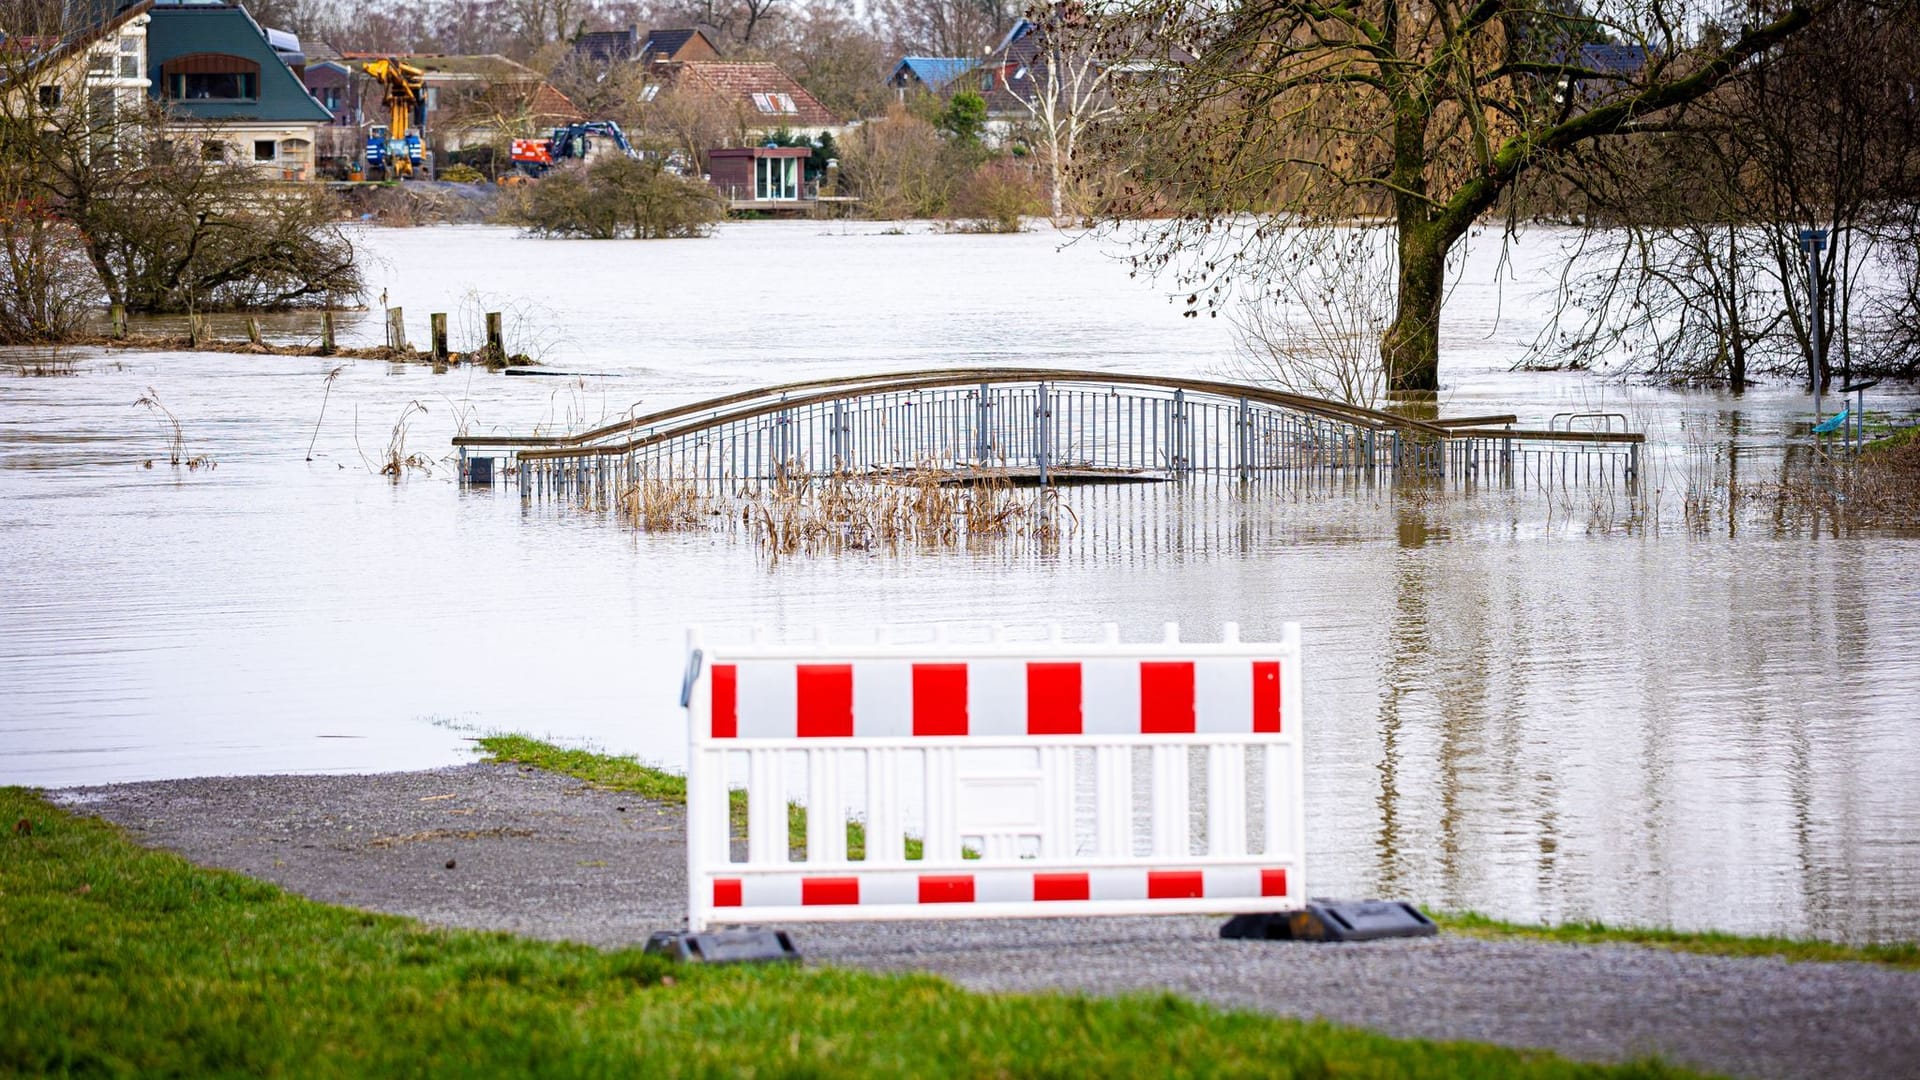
1041,426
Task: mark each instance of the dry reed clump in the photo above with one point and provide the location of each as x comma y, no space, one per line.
1879,488
176,438
661,504
926,507
396,461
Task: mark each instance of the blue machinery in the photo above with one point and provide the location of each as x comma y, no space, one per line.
1045,426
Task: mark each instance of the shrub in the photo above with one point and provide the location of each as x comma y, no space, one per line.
898,167
998,197
462,174
619,196
46,284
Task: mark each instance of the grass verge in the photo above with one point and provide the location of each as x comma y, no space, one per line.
116,959
627,774
1906,955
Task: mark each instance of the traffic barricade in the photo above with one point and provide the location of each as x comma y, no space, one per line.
1034,778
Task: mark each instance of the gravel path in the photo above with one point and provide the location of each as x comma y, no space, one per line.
511,848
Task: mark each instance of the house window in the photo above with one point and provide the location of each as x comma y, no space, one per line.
649,93
330,97
213,150
50,97
210,77
775,103
129,57
986,83
99,63
264,150
776,178
213,86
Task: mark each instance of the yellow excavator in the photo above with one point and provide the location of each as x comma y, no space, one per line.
397,147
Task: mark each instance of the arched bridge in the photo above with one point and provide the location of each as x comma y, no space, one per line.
1038,425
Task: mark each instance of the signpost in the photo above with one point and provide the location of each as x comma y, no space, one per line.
1813,242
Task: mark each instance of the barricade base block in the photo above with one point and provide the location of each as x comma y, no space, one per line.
1334,920
725,946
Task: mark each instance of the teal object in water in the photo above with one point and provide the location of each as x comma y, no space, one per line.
1831,424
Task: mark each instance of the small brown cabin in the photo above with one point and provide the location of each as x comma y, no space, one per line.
760,173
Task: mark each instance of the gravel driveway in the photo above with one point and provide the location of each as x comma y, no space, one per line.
511,848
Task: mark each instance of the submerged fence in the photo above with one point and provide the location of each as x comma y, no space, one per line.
1042,426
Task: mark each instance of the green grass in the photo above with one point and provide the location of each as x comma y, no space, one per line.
118,960
627,774
1713,944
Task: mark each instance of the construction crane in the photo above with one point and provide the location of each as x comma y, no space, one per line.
396,147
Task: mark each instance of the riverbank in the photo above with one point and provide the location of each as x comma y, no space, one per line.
121,959
534,852
50,359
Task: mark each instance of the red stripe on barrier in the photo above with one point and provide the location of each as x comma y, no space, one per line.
825,701
1166,697
1053,699
1266,696
1176,884
726,701
726,892
1061,887
939,699
946,888
1273,883
830,890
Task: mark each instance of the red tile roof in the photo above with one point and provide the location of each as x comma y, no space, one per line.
761,92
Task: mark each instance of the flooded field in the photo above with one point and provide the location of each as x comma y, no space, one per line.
1554,705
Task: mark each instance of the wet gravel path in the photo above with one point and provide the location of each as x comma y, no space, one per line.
510,848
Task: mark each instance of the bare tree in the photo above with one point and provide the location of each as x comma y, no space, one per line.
1697,272
165,216
1064,78
1429,112
1317,331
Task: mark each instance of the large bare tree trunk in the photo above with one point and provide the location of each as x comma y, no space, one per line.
1411,348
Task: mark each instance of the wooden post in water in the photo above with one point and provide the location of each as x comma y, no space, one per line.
193,331
437,324
326,332
496,341
118,315
396,330
253,330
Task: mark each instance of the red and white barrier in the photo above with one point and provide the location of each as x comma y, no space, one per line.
1014,762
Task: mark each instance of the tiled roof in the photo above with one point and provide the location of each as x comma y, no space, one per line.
1627,60
608,46
550,106
665,43
935,72
761,92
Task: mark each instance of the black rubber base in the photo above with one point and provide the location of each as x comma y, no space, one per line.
1334,920
725,946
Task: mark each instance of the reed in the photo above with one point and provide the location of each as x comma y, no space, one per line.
927,507
397,461
176,437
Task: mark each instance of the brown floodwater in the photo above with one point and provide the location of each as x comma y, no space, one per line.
1541,705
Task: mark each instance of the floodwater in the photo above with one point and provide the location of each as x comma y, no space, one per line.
1540,706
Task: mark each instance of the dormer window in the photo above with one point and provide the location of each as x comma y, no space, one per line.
210,77
775,103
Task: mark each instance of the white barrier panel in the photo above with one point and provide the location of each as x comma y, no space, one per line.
1016,760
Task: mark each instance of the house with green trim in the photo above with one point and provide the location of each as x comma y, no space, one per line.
212,65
